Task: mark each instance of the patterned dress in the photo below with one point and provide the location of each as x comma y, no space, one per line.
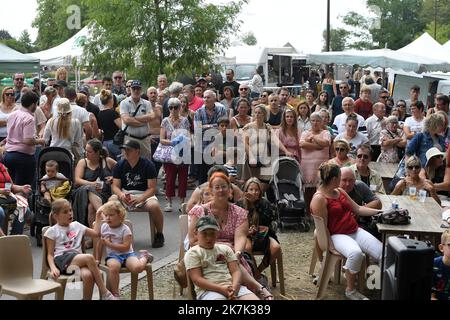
389,154
312,159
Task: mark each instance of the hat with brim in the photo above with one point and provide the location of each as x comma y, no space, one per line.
207,222
433,152
131,144
63,106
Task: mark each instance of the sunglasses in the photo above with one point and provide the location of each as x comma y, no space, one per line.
242,89
128,86
401,105
9,94
174,107
117,77
413,167
364,156
384,97
19,79
340,149
343,87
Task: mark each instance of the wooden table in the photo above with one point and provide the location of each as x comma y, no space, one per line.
386,171
426,220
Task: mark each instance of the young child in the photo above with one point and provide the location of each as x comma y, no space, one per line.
52,180
440,289
213,268
118,239
231,166
64,249
223,140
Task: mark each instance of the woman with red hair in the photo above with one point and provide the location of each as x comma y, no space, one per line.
233,225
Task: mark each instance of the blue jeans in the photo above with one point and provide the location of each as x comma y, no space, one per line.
17,226
113,149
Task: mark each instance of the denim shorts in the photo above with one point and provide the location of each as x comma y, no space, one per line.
122,258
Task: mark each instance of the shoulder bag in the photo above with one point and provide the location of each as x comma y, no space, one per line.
119,137
163,153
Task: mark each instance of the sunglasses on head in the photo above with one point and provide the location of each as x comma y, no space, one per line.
364,156
413,167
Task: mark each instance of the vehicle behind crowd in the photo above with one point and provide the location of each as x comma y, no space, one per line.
41,212
287,188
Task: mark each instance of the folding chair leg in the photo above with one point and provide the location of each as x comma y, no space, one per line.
149,273
281,273
312,266
134,283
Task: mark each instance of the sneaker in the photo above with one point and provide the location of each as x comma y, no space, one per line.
355,295
146,254
109,296
168,208
159,241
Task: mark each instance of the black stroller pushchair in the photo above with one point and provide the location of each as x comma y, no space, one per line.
41,212
287,188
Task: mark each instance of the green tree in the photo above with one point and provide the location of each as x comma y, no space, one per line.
438,10
4,35
151,37
399,22
249,38
338,39
52,21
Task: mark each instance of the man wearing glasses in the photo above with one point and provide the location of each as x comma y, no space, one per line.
19,80
336,105
118,87
383,97
230,82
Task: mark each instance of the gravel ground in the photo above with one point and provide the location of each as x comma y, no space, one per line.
297,251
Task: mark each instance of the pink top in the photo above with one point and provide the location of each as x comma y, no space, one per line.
196,104
290,143
20,127
236,217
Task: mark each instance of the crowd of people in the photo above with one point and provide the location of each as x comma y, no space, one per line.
225,137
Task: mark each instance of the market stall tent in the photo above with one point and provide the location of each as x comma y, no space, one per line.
12,61
426,46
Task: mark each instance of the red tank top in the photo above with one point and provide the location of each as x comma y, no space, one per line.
340,218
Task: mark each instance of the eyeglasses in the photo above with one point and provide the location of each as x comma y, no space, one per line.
9,94
128,86
343,87
117,77
174,107
242,89
19,79
364,156
413,167
384,97
340,149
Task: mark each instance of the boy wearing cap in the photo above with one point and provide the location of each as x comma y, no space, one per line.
213,268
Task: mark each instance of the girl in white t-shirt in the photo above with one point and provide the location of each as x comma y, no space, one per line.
118,239
64,249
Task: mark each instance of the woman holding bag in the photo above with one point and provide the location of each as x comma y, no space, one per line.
173,129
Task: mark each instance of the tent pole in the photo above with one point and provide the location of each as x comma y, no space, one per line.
384,78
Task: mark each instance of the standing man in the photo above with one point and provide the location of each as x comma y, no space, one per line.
206,118
350,82
375,124
138,128
339,123
118,87
134,183
194,102
107,85
414,94
21,141
162,82
19,81
283,94
230,82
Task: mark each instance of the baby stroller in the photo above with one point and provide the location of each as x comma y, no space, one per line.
287,188
41,212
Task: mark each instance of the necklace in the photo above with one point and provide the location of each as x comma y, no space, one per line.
220,217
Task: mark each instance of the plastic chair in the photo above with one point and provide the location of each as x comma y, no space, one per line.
134,276
16,271
278,263
45,268
329,261
152,224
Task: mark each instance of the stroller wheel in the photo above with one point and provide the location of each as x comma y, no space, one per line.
302,227
307,227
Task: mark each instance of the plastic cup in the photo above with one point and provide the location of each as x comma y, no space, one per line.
373,187
422,195
8,186
100,184
412,193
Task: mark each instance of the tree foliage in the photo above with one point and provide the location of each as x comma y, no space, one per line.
51,22
337,39
440,11
4,35
249,39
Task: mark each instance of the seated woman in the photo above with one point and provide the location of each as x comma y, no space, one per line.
414,181
434,169
233,225
338,211
93,178
8,190
341,148
364,173
391,140
262,236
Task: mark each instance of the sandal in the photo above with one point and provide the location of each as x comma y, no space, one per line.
265,294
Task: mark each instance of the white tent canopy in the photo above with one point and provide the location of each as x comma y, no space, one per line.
65,53
383,58
426,46
14,61
446,47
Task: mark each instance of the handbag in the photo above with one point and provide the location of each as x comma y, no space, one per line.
163,153
395,217
119,137
8,202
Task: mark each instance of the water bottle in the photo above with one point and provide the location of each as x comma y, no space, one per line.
394,204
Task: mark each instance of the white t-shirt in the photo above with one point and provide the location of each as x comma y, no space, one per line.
354,143
67,239
341,119
116,236
374,126
414,125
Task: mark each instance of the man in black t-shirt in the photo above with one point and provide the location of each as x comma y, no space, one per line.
229,73
134,184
